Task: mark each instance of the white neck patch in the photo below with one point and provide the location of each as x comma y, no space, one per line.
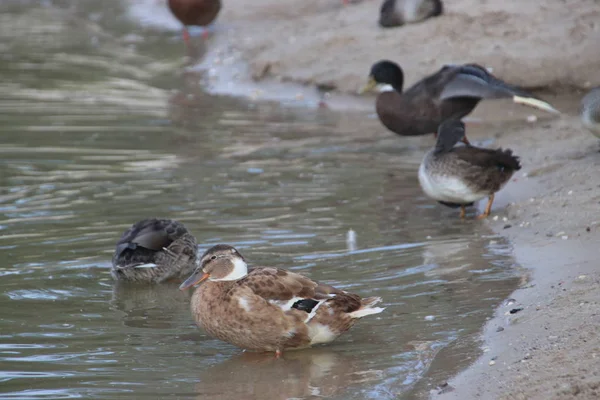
240,270
384,87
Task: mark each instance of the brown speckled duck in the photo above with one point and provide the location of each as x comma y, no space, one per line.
399,12
457,176
451,93
195,13
269,309
155,251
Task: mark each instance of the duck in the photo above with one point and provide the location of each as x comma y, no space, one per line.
458,176
399,12
590,111
194,13
450,93
267,309
155,251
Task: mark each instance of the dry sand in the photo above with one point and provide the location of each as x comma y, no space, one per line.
550,349
529,43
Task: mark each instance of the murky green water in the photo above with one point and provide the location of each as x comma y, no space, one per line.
97,134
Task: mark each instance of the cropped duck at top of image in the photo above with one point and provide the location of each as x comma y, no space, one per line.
450,93
155,251
195,13
458,176
395,13
269,309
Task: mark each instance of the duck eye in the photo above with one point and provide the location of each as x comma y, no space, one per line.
213,258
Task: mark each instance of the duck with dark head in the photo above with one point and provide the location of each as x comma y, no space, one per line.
399,12
269,309
458,176
451,93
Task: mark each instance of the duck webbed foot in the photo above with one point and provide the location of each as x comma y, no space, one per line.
277,354
488,208
463,212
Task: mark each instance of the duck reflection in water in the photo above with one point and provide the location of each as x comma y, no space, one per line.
298,374
151,306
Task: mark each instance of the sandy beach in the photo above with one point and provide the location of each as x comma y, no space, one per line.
549,349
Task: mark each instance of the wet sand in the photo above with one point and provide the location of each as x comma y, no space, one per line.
549,349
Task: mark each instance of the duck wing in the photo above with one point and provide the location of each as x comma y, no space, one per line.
151,234
488,158
288,290
472,80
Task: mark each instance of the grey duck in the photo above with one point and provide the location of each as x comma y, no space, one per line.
590,111
457,176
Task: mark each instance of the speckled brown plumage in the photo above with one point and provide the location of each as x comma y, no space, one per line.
260,311
164,243
195,12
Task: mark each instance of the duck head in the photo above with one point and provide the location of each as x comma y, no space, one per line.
219,263
449,133
385,73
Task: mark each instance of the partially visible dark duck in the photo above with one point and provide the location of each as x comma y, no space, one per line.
451,93
458,176
399,12
155,251
195,13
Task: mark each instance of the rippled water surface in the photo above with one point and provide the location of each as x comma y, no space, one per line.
100,128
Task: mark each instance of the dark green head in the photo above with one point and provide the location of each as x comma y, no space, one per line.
385,72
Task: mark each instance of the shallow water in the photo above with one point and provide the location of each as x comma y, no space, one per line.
94,139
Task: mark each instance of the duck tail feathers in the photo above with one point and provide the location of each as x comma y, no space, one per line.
367,308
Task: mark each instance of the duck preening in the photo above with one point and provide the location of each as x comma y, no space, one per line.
451,93
399,12
155,251
269,309
458,176
590,111
195,13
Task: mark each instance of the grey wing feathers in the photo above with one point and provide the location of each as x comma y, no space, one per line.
474,81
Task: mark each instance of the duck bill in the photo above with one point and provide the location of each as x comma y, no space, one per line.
466,141
371,84
193,280
535,103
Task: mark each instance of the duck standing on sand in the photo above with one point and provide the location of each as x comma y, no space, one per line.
155,251
269,309
457,176
451,93
590,111
399,12
195,13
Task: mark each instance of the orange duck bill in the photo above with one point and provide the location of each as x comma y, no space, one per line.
196,278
